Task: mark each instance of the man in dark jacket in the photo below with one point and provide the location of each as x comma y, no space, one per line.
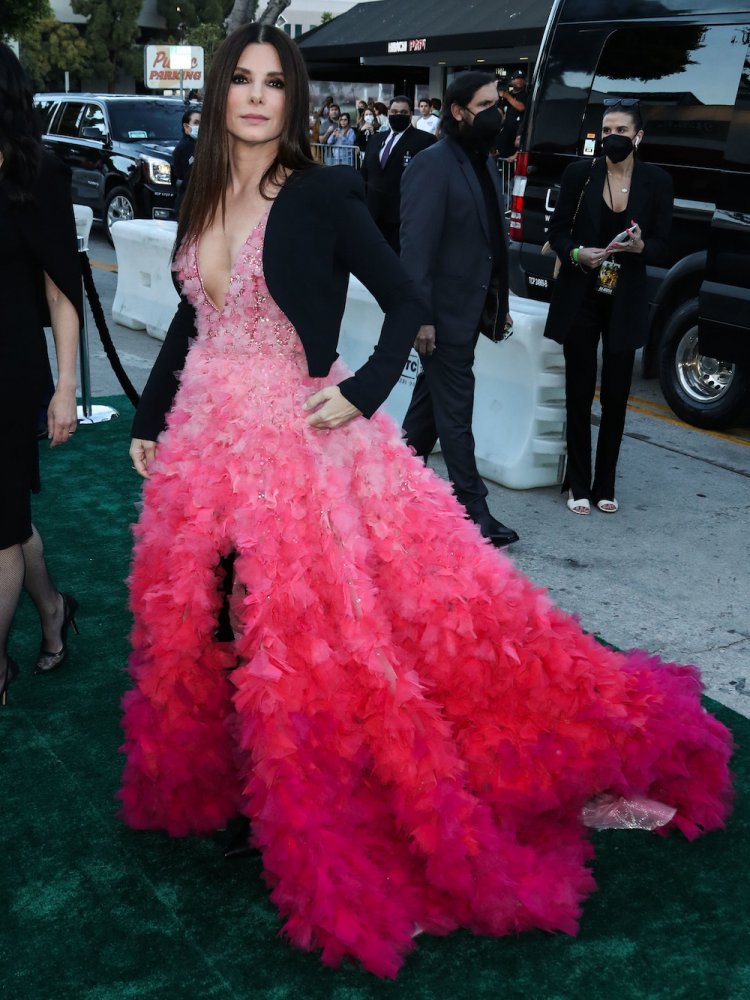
386,156
453,245
184,153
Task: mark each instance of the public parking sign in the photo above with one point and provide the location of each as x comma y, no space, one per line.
167,67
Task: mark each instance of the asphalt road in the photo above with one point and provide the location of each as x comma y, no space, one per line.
670,572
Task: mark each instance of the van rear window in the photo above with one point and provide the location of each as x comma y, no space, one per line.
687,79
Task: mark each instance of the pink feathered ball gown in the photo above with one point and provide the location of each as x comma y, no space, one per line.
410,725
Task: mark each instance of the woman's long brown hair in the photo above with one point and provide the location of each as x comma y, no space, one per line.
210,175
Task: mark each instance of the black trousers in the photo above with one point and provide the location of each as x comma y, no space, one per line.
391,231
442,407
580,349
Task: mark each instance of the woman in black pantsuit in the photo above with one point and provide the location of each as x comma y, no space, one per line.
40,284
593,299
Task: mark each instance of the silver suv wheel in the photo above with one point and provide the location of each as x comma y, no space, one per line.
120,209
701,378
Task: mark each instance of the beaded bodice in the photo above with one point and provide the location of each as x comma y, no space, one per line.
249,321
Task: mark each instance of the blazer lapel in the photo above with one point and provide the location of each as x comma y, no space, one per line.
592,199
471,179
640,193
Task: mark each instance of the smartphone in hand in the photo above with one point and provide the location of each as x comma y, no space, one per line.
623,237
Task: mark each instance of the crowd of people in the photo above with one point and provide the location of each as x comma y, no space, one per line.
324,641
370,117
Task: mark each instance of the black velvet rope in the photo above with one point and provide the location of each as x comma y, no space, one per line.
101,324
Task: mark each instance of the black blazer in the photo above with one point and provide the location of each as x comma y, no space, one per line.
384,184
318,232
445,239
650,204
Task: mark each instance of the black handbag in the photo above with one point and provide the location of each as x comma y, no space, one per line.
547,249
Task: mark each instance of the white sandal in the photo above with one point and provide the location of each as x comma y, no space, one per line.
574,505
608,506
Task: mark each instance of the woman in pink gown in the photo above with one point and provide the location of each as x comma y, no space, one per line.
417,736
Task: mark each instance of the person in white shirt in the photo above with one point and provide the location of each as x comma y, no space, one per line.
426,121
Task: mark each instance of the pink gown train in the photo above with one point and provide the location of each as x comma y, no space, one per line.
411,726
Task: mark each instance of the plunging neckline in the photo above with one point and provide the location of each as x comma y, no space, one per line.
233,268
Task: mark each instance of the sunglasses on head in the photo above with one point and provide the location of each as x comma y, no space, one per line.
620,102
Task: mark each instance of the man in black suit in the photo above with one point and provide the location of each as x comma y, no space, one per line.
453,244
386,156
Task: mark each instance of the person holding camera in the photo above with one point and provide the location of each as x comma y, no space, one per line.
513,103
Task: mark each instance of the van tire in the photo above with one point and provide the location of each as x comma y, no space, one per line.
702,391
119,206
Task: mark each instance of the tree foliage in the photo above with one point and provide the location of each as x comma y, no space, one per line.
18,15
50,47
209,37
184,15
111,34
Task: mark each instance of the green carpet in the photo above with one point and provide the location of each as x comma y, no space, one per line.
93,911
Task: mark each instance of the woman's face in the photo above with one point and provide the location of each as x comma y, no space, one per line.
620,123
343,121
256,102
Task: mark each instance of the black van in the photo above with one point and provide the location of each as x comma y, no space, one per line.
119,149
689,64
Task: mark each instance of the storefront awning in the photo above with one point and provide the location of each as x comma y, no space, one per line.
413,32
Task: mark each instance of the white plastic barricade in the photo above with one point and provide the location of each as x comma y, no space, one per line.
360,329
84,217
519,406
146,297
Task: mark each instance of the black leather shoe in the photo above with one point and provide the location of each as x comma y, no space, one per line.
498,533
239,845
492,529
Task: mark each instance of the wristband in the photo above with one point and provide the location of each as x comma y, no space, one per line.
574,254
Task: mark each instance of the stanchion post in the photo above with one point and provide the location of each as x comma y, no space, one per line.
83,349
88,413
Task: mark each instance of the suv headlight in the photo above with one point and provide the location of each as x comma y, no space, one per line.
159,171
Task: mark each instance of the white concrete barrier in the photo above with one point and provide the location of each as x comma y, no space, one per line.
519,407
146,297
84,218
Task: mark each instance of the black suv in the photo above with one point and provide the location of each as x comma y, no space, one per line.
119,149
689,65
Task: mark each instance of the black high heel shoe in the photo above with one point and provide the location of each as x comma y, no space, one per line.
11,672
47,661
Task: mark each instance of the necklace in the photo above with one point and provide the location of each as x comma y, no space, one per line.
624,190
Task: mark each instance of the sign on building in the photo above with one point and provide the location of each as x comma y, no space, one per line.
167,67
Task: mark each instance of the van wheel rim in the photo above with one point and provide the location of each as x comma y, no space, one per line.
120,210
701,378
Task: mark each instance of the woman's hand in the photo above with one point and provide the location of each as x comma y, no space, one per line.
332,409
591,256
142,454
62,416
425,342
634,245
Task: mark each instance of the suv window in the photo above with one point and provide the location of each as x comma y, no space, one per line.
93,117
46,110
687,80
67,123
146,119
737,155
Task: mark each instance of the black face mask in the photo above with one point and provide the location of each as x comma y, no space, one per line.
399,122
486,125
617,147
